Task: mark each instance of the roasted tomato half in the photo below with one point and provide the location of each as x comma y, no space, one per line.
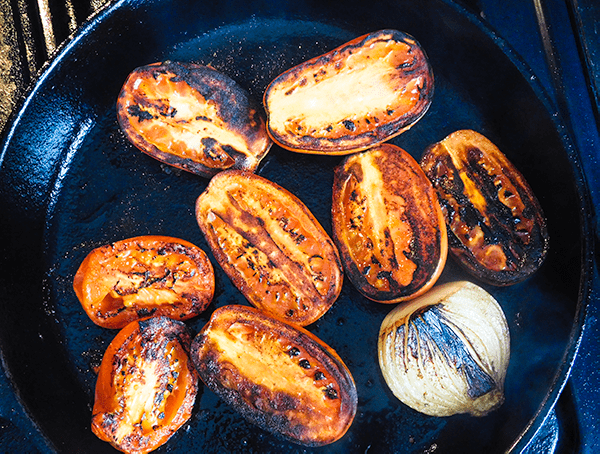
280,377
497,229
351,98
146,386
271,246
142,276
388,224
192,117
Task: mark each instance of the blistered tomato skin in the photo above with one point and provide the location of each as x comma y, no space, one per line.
278,376
388,224
351,98
143,276
497,229
271,246
146,386
192,117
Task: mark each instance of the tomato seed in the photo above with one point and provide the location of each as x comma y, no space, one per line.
304,364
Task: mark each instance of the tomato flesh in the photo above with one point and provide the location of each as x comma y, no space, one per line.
192,117
142,276
358,95
388,224
146,385
278,376
496,225
270,245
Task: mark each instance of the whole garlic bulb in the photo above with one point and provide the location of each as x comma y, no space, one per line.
447,351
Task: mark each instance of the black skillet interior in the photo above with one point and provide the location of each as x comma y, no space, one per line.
70,181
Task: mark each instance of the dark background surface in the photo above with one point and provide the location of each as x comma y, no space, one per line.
563,54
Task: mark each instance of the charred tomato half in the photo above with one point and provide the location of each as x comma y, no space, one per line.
351,98
142,276
496,225
388,224
146,386
270,245
192,117
280,377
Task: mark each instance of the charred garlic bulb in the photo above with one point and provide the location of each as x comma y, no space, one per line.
447,352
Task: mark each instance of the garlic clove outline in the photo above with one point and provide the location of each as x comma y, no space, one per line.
447,352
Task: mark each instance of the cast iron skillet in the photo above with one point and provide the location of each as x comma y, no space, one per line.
70,181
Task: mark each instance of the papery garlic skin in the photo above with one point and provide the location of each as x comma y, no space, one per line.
455,355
